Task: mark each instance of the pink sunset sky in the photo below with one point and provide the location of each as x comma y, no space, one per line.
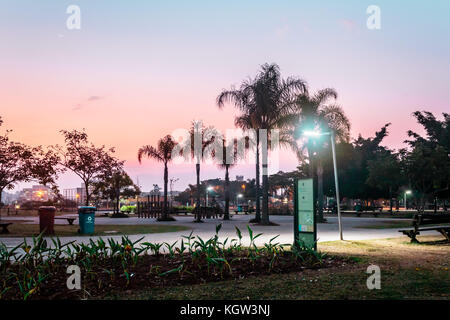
137,71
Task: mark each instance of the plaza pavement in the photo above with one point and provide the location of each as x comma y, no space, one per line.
326,231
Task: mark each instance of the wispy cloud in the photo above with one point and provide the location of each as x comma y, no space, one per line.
89,100
94,98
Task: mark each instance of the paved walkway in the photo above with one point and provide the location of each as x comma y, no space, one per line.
326,231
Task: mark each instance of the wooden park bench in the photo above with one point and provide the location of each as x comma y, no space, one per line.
70,220
434,221
5,226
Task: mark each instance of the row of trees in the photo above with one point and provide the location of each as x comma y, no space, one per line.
368,170
264,103
102,174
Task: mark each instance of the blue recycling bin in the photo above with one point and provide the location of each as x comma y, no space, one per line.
86,218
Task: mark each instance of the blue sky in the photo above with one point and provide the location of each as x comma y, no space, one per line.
157,65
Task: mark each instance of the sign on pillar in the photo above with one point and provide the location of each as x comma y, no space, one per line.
305,232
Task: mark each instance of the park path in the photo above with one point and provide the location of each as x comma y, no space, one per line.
353,229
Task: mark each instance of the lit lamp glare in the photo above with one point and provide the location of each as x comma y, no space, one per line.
311,133
209,188
406,192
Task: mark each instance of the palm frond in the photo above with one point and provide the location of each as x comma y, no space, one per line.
149,152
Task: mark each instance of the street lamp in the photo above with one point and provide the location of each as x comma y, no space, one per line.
240,195
336,182
77,196
208,189
406,192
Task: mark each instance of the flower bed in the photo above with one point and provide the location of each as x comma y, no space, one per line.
40,271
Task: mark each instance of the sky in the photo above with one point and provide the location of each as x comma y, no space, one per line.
138,70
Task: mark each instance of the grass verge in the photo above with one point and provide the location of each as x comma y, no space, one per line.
29,230
408,271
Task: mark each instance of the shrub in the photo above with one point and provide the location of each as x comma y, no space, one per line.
128,209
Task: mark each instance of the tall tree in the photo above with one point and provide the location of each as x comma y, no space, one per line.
228,159
114,185
22,163
162,153
428,163
316,112
266,102
199,146
87,161
386,173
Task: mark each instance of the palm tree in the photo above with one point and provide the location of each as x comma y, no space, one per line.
163,153
315,113
227,160
266,102
199,147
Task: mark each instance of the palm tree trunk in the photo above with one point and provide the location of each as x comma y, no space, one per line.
265,197
320,191
258,189
166,181
197,205
226,215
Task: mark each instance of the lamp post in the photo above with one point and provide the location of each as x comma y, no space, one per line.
336,182
406,192
208,189
237,198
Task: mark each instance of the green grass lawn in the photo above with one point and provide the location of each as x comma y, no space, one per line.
408,271
28,230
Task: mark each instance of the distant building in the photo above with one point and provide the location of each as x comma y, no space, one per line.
35,193
75,194
239,178
8,198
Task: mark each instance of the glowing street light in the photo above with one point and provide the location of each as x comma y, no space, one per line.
208,189
238,196
313,133
406,192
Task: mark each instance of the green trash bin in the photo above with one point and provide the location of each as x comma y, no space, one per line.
86,218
